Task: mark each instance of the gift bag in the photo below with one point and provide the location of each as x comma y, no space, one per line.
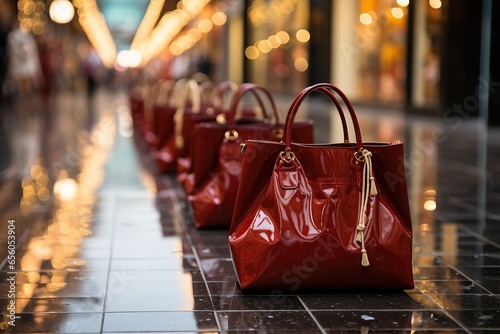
322,216
217,158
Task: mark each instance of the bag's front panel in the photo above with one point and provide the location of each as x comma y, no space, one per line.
311,216
213,203
163,123
166,157
390,176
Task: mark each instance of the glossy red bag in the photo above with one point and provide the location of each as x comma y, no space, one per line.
216,159
323,216
189,109
185,126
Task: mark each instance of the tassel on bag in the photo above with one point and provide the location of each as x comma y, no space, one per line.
368,189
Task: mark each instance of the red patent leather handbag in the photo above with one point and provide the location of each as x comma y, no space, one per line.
189,110
185,126
323,216
216,156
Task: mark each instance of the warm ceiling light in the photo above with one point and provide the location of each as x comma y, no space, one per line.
283,36
365,19
264,46
61,11
403,3
436,4
129,58
302,35
205,25
252,52
397,13
301,64
219,18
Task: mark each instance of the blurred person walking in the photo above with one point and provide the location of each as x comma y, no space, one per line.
23,68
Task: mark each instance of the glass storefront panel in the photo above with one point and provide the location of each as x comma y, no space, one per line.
381,72
427,49
277,52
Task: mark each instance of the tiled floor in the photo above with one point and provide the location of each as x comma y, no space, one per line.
105,244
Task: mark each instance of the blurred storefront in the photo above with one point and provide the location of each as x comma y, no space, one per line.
419,56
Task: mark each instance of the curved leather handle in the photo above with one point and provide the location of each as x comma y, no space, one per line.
164,92
254,88
217,97
324,88
207,88
341,113
334,99
176,92
192,89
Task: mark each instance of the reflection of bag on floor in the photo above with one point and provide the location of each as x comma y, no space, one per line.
323,216
216,158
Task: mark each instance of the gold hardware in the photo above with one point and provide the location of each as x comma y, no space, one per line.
221,119
287,156
210,111
243,147
359,156
231,135
278,133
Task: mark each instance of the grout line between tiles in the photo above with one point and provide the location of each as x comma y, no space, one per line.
311,315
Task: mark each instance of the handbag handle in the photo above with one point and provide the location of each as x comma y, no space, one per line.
324,88
232,134
341,112
217,97
254,88
164,92
192,90
191,87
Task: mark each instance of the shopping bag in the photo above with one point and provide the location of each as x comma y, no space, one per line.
216,159
322,216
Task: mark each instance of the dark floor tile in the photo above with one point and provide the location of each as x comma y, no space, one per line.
467,260
436,273
368,302
224,288
218,269
466,302
385,320
254,303
449,287
492,286
159,322
267,321
482,272
478,320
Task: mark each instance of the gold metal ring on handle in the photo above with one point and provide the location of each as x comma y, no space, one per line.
231,135
359,156
287,156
